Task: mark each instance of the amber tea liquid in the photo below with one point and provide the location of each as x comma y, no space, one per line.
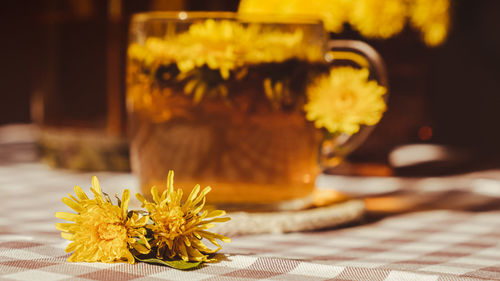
255,150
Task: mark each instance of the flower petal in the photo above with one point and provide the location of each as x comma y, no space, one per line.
202,195
199,207
96,189
170,182
142,221
72,204
66,216
72,247
215,220
192,195
141,249
202,247
196,255
141,198
79,192
130,258
154,193
64,226
67,236
125,202
216,213
183,252
207,235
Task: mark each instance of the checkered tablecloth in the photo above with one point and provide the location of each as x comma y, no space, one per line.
433,245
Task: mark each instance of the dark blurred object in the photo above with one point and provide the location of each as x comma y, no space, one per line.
70,88
465,94
72,52
212,5
446,95
78,96
17,50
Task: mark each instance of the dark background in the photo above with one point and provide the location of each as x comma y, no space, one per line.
452,91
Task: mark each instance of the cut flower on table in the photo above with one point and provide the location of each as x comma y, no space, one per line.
169,233
178,228
100,230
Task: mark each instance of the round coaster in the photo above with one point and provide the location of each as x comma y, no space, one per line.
292,221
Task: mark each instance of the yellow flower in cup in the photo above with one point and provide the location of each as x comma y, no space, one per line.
101,231
211,43
178,228
344,100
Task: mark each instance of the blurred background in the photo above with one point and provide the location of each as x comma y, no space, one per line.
63,62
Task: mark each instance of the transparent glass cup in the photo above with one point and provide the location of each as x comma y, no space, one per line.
219,98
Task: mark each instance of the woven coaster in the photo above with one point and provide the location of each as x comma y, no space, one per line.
327,213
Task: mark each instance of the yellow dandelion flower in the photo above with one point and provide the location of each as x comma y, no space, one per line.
333,13
267,46
263,7
344,100
179,228
432,18
224,45
379,18
211,43
101,231
372,18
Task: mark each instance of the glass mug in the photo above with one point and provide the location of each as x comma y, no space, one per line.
219,98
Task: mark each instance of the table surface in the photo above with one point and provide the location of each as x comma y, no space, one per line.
430,245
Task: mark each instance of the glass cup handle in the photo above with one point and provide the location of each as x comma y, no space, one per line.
333,150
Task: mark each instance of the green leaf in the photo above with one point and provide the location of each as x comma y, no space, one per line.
177,264
139,241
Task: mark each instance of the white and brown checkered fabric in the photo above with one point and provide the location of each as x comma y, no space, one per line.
434,245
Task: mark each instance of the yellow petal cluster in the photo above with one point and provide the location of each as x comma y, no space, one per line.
101,231
344,100
432,18
224,45
333,13
378,18
209,43
372,18
179,227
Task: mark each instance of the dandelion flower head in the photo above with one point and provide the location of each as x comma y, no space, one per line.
344,100
178,228
101,231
